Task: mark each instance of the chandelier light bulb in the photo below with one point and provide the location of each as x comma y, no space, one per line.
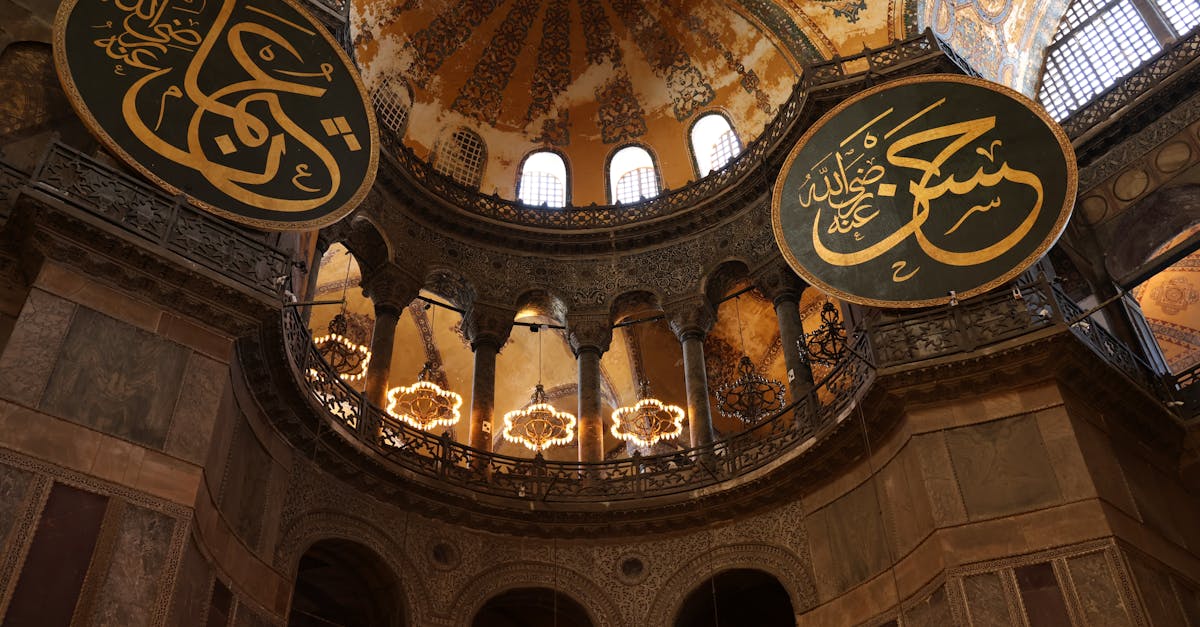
539,426
424,404
647,422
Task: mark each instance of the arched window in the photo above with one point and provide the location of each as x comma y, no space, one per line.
461,156
714,144
631,175
543,180
1101,41
392,103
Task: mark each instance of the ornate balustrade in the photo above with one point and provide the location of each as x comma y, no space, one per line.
147,213
747,165
935,333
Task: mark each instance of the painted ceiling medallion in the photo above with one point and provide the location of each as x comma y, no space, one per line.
648,421
539,426
424,404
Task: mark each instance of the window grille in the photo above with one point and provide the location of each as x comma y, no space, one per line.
636,185
461,157
726,148
392,105
542,188
714,144
1184,15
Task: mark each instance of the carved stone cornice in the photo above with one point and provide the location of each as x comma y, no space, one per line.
691,318
589,332
483,323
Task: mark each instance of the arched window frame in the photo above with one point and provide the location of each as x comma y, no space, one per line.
1067,87
393,100
610,181
566,175
691,143
458,169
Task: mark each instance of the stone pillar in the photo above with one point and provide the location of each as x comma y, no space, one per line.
589,335
314,271
487,328
691,321
391,290
784,288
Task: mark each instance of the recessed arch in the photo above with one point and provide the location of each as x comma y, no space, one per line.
632,175
342,582
600,608
532,607
739,597
544,180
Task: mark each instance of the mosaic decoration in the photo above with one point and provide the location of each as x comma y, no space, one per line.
483,94
552,75
556,131
687,86
846,9
445,35
597,32
749,79
621,116
787,32
1175,295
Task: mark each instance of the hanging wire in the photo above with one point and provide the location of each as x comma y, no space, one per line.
737,304
346,280
539,355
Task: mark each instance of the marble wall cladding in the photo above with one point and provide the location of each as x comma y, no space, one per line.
1163,505
135,573
1095,582
906,501
248,617
1002,467
28,358
191,429
1189,598
932,611
54,569
117,379
220,605
848,541
987,602
245,487
1042,596
193,586
1161,604
14,490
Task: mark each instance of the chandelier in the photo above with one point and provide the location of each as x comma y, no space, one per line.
647,421
827,345
424,404
347,357
539,425
750,397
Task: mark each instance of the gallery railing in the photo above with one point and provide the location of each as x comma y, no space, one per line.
879,62
932,333
146,212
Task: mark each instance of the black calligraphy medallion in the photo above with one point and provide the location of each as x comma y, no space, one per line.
247,107
921,187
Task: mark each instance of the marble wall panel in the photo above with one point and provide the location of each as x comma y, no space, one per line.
135,573
192,589
191,429
1002,467
28,358
116,379
987,601
1158,597
245,489
248,617
220,606
910,515
1095,584
14,490
1042,596
941,486
1189,598
933,611
1159,501
849,542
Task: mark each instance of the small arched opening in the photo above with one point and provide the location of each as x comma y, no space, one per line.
340,583
532,607
741,597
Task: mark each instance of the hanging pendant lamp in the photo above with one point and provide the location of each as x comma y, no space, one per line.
649,420
751,397
539,425
347,357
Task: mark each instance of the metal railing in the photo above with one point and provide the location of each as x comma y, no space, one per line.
146,212
746,166
934,333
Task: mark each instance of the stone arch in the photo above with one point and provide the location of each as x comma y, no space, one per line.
541,302
717,282
365,241
315,526
451,285
529,574
1146,227
793,574
634,304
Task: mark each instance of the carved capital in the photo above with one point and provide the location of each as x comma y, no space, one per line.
690,318
487,324
779,283
389,286
589,331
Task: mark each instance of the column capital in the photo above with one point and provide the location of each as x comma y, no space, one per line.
779,282
690,318
487,324
389,286
589,331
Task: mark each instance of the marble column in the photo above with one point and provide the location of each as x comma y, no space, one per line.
691,321
487,328
589,336
314,271
391,290
784,288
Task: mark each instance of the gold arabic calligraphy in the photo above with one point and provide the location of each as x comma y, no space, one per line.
844,190
250,108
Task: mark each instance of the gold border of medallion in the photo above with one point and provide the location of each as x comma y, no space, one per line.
63,70
1064,212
